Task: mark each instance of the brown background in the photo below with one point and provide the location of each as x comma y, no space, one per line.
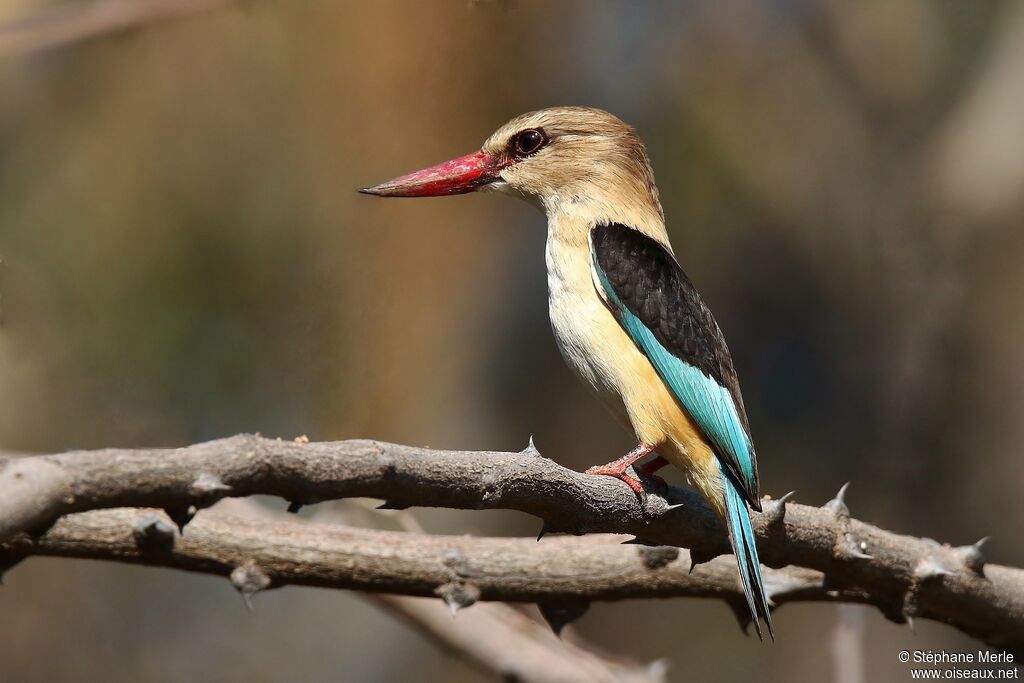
184,257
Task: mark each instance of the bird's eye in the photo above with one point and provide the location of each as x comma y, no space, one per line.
528,142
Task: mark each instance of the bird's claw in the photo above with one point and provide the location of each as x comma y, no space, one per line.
621,475
620,470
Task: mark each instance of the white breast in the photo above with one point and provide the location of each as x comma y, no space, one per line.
586,332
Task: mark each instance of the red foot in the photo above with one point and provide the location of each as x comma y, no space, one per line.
618,468
621,475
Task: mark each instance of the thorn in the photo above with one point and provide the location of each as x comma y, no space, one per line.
929,568
181,515
458,594
294,506
837,505
656,557
248,579
699,557
153,531
543,530
656,504
560,614
775,511
531,448
852,548
207,484
636,540
389,505
973,556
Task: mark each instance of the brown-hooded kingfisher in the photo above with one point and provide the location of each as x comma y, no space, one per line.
625,316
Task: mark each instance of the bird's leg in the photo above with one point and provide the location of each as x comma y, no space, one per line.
618,467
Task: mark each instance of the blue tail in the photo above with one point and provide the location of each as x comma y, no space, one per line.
741,535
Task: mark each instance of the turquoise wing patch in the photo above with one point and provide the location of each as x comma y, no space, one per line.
709,404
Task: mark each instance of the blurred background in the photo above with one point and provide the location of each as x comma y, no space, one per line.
184,257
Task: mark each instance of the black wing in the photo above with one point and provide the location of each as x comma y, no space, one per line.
661,310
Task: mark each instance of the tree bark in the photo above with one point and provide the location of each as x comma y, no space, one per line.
906,577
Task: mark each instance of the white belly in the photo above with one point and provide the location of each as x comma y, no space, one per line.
584,328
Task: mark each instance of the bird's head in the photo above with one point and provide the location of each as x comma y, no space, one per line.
564,158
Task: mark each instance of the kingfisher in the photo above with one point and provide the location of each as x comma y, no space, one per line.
625,316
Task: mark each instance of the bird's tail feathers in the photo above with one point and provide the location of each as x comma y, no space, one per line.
741,535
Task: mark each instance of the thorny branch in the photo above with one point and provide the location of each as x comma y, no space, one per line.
905,577
259,553
561,575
